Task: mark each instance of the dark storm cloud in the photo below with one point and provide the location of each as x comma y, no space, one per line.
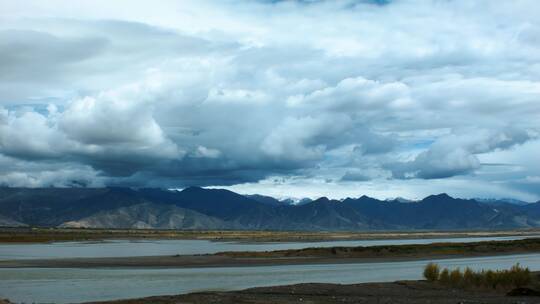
355,176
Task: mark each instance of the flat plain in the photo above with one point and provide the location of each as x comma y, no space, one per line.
39,235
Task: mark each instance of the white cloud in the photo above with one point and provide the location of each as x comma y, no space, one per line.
205,152
215,93
455,154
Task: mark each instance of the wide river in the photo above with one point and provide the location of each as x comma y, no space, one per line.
130,248
51,285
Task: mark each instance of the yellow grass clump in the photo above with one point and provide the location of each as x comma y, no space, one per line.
514,277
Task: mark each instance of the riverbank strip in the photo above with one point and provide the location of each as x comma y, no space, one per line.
45,235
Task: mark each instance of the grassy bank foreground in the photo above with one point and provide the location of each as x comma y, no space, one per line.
38,235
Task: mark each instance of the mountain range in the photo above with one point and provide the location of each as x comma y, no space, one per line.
200,208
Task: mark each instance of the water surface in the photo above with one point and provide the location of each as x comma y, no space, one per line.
130,248
47,285
43,285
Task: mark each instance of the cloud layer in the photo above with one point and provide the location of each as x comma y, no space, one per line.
388,98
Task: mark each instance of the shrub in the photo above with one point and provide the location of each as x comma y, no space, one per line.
520,276
444,277
490,279
431,272
478,279
516,276
468,277
456,278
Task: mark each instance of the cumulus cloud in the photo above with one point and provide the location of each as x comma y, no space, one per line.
229,93
455,154
27,134
114,131
20,173
356,94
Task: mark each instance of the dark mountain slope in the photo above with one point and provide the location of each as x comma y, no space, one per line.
268,200
531,209
53,206
226,205
150,216
435,212
219,209
322,214
7,222
390,214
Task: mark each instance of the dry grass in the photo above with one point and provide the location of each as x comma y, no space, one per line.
514,277
431,272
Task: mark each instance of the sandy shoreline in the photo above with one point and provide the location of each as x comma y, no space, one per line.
411,292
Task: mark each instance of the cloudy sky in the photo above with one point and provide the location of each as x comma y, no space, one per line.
287,98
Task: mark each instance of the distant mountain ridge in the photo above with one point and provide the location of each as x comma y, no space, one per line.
200,208
501,201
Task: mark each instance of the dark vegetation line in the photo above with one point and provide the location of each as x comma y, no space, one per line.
417,250
40,234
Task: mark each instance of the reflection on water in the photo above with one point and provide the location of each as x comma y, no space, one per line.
125,248
77,285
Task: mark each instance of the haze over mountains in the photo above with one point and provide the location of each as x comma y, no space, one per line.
199,208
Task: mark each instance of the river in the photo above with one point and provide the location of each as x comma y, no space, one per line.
130,248
51,285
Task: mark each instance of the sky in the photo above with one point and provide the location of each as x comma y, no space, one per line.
284,98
